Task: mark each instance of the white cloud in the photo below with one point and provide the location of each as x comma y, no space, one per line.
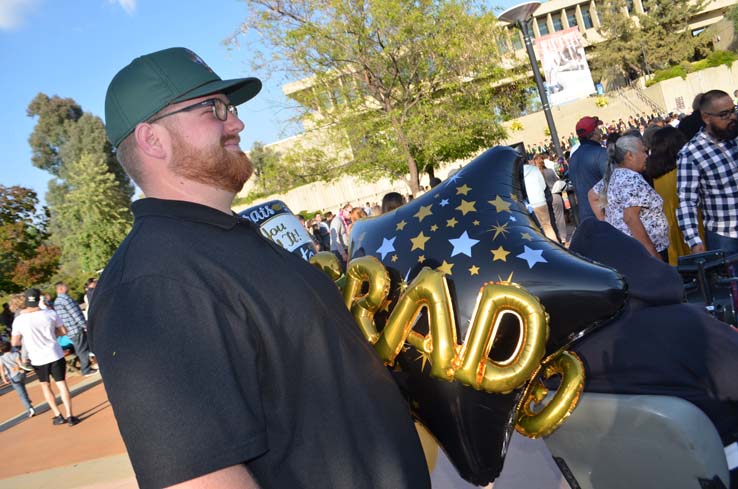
128,5
13,12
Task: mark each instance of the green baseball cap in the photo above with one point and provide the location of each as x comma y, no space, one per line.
153,81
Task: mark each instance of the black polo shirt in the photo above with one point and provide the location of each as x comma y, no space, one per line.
217,347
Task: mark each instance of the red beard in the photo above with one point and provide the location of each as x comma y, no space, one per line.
214,166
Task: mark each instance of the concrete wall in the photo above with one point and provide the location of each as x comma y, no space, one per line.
621,104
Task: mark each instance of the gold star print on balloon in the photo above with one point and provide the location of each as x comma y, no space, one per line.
421,258
419,241
424,212
466,207
276,206
463,190
507,281
514,197
526,236
499,229
474,270
401,225
500,205
425,358
500,254
445,267
476,222
451,222
394,258
402,286
434,228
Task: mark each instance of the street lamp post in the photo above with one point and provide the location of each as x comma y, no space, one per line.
521,15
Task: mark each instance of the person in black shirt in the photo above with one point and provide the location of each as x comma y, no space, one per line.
228,361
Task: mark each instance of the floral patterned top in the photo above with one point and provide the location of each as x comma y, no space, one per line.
628,189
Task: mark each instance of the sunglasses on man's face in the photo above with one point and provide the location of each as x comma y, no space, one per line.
724,114
220,109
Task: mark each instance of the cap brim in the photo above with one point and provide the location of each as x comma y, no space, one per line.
238,91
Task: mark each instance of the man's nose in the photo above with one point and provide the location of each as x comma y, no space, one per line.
234,124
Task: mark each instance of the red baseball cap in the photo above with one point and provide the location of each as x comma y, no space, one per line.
587,125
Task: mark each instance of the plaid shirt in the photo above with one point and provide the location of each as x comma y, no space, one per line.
707,176
70,314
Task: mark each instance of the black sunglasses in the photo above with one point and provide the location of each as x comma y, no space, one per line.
220,109
724,114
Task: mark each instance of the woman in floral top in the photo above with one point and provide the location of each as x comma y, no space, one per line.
625,200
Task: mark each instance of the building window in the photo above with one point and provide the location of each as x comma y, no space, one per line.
586,17
517,42
557,24
502,44
324,99
571,17
542,26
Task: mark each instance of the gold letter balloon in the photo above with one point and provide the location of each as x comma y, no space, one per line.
474,310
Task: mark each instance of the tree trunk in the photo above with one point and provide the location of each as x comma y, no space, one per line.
412,165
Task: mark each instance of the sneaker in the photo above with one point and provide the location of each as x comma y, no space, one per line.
31,413
27,368
72,420
91,373
58,420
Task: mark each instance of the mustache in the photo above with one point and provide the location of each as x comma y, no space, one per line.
230,139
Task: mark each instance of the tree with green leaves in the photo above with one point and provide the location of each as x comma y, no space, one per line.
403,85
89,197
26,257
94,217
640,43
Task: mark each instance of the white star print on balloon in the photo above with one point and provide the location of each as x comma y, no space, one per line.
532,256
388,246
463,244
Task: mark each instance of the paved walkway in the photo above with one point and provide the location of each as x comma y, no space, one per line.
38,455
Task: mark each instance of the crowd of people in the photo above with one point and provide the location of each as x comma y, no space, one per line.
330,232
559,200
37,333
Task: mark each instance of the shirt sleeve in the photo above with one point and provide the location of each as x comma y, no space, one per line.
58,323
602,162
336,240
181,371
637,192
688,181
16,328
72,308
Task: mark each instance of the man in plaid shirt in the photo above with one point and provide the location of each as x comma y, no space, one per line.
74,322
707,177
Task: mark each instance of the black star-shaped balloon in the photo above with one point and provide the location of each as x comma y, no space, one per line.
475,228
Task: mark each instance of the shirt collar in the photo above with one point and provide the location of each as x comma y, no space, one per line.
186,211
728,143
590,142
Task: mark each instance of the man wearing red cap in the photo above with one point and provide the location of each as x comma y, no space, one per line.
588,163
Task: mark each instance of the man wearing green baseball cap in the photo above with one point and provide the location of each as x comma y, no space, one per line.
228,361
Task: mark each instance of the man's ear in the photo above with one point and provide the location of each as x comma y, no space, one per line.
704,117
149,140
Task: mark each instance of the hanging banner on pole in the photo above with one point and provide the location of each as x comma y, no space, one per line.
565,66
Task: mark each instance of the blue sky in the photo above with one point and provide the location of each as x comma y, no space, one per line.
72,48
